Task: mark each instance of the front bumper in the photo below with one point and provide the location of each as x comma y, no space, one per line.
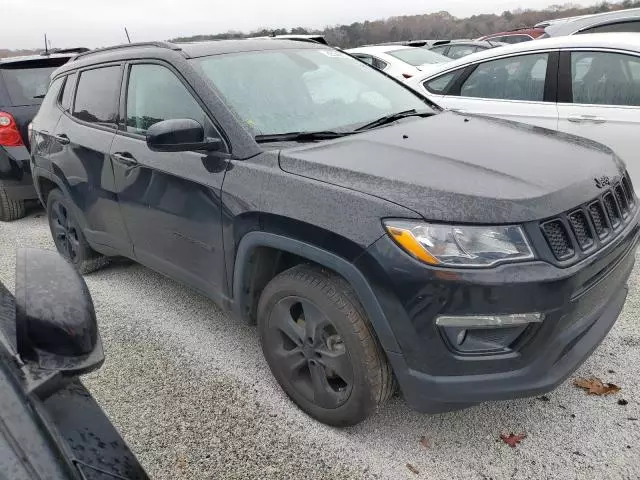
15,173
581,303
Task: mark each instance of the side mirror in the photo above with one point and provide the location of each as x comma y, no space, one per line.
56,327
180,135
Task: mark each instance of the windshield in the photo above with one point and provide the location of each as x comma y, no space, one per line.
418,56
27,86
281,91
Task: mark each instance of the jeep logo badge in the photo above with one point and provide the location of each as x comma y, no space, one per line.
603,181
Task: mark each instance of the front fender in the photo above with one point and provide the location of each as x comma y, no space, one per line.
322,257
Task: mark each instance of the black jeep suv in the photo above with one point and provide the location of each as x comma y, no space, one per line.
23,84
372,237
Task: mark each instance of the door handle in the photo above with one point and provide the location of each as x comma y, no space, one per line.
585,119
125,158
62,139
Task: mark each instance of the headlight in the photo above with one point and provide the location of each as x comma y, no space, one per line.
460,246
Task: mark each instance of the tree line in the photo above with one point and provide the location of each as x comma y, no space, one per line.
439,25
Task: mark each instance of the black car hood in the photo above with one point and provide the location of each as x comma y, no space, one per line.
453,167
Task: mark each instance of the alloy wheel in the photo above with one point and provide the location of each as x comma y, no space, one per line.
65,231
309,352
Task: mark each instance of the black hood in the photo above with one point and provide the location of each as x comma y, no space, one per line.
453,167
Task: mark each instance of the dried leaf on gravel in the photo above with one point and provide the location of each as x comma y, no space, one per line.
594,386
512,440
424,442
413,469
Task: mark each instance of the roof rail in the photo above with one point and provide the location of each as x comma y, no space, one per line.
168,45
52,51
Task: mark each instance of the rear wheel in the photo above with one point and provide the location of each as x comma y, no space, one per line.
68,237
321,347
10,209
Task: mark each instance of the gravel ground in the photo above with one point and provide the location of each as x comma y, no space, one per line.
189,390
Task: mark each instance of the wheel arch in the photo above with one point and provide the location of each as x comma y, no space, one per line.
259,239
45,181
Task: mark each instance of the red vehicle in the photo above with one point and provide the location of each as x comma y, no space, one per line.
515,36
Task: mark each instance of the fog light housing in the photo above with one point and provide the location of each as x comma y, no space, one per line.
489,321
485,334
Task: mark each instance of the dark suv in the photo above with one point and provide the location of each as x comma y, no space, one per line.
372,237
23,84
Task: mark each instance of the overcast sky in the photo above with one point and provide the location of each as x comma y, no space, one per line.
93,23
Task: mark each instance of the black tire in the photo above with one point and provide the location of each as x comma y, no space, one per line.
10,209
68,237
329,362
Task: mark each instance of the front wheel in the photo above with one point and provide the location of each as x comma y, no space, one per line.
68,237
321,348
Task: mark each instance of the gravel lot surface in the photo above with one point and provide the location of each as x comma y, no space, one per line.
189,390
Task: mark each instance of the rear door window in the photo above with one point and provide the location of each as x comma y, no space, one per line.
514,78
27,82
97,95
605,78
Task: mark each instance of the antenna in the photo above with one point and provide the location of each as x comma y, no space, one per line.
46,45
127,33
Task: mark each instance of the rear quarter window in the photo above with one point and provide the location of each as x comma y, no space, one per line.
66,101
53,94
441,84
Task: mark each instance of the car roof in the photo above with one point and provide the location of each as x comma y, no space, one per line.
520,31
379,48
187,50
475,43
621,41
572,25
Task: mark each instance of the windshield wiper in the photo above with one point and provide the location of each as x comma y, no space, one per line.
394,117
300,136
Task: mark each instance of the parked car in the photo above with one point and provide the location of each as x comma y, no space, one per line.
608,22
51,425
401,62
373,239
587,85
23,83
303,38
455,49
515,36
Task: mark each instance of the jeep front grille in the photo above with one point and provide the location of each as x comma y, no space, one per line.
578,232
